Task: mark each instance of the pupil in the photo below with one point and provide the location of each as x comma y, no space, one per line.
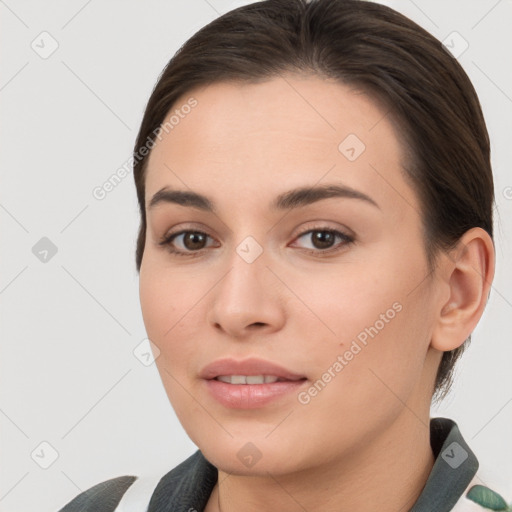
321,237
193,237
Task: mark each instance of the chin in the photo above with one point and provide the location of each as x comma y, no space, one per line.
249,460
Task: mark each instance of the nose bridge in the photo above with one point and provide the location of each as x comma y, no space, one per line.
245,281
245,295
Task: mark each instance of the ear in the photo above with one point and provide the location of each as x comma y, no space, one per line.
467,273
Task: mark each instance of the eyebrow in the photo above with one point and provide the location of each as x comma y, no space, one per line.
294,198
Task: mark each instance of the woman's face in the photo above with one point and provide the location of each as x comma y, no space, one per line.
348,311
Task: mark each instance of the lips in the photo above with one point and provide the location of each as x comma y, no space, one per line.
248,367
238,384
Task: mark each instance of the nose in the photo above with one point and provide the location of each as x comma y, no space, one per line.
248,299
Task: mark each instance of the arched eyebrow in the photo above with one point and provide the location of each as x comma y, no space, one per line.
295,198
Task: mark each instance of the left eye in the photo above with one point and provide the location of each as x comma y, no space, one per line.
324,238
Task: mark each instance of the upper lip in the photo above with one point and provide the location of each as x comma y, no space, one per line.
251,366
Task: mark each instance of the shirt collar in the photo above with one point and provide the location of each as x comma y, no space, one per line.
454,468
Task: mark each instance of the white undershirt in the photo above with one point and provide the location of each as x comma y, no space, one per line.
138,495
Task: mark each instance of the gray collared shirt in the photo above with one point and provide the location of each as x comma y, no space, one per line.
188,486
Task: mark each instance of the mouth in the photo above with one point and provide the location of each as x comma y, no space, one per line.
248,371
254,379
250,383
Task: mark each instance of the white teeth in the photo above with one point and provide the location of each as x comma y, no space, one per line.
255,379
247,379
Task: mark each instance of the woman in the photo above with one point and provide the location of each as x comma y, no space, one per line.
315,249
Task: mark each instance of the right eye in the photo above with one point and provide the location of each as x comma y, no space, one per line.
190,241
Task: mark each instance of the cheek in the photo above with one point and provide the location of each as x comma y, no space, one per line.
167,304
173,309
365,374
166,296
339,303
369,315
156,303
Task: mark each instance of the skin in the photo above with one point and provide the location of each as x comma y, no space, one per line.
242,145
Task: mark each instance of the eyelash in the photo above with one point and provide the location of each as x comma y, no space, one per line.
167,240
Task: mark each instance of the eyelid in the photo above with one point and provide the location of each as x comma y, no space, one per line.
319,225
186,227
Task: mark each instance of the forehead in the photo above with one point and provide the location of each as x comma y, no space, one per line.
284,132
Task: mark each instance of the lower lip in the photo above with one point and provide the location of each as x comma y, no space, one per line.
250,396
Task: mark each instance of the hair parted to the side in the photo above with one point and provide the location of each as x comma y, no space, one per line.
377,50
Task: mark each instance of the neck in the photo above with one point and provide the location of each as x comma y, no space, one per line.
388,475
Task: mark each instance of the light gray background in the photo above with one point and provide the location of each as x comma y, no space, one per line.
69,326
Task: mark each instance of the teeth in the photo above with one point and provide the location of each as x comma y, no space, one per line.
248,379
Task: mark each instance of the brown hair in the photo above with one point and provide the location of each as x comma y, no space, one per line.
380,51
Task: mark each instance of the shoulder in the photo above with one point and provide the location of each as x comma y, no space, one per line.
102,497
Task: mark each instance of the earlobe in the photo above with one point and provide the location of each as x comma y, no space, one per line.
469,271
